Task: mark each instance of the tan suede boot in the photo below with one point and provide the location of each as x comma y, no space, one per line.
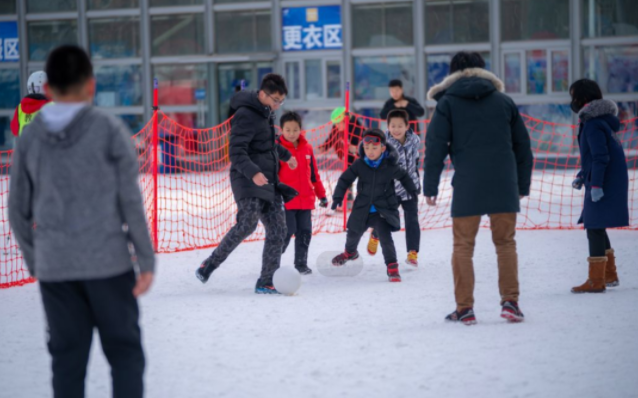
611,276
596,281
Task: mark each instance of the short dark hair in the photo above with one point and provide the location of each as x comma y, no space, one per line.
290,116
464,60
395,83
68,67
238,88
273,83
399,114
376,133
584,91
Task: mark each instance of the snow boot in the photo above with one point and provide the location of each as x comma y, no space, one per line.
596,281
265,287
205,270
465,316
344,257
413,258
611,274
511,312
303,269
393,273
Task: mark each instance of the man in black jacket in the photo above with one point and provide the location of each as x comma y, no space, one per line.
254,157
399,101
481,130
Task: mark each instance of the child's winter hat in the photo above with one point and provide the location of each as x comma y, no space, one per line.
375,133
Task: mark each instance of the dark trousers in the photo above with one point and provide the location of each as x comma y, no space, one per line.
598,242
299,223
412,227
250,212
383,230
73,310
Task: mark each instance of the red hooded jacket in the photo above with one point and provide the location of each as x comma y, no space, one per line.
30,104
305,178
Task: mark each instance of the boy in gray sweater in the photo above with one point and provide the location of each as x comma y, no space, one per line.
74,206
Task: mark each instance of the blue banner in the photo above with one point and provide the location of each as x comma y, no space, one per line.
9,49
312,28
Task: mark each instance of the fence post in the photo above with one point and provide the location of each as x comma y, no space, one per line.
155,165
346,152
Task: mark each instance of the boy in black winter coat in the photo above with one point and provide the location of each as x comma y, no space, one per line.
376,204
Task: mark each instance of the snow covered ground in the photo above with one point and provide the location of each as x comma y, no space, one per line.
362,336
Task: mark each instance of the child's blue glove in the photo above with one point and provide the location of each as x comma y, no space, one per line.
577,183
597,194
323,202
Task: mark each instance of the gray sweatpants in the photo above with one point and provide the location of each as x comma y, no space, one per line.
250,212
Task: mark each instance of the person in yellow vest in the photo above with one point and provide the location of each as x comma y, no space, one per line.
31,104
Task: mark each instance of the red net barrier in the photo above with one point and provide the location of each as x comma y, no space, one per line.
190,205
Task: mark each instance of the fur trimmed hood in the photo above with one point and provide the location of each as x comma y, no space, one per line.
598,108
435,92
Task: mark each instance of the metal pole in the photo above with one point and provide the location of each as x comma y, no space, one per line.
154,154
346,152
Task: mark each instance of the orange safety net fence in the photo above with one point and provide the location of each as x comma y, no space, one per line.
186,186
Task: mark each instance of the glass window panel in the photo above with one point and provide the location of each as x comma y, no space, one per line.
314,79
111,4
118,85
44,36
165,3
177,83
610,18
560,71
7,7
512,72
51,5
134,122
177,34
313,118
372,75
614,68
251,31
10,88
334,79
537,72
232,74
456,21
114,37
262,33
382,25
534,20
293,80
438,66
549,137
6,137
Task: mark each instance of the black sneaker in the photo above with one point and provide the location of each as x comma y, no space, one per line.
266,287
511,312
303,269
465,316
205,270
344,258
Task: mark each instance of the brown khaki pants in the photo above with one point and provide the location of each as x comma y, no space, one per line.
503,231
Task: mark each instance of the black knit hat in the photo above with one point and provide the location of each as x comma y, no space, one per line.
376,133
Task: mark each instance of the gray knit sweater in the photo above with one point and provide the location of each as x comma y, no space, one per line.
79,187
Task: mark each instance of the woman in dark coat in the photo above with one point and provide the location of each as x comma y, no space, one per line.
605,177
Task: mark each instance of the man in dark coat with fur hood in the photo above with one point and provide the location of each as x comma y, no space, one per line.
481,130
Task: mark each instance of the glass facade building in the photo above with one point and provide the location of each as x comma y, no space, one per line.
200,50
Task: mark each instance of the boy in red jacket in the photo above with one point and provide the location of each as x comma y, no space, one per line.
306,180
